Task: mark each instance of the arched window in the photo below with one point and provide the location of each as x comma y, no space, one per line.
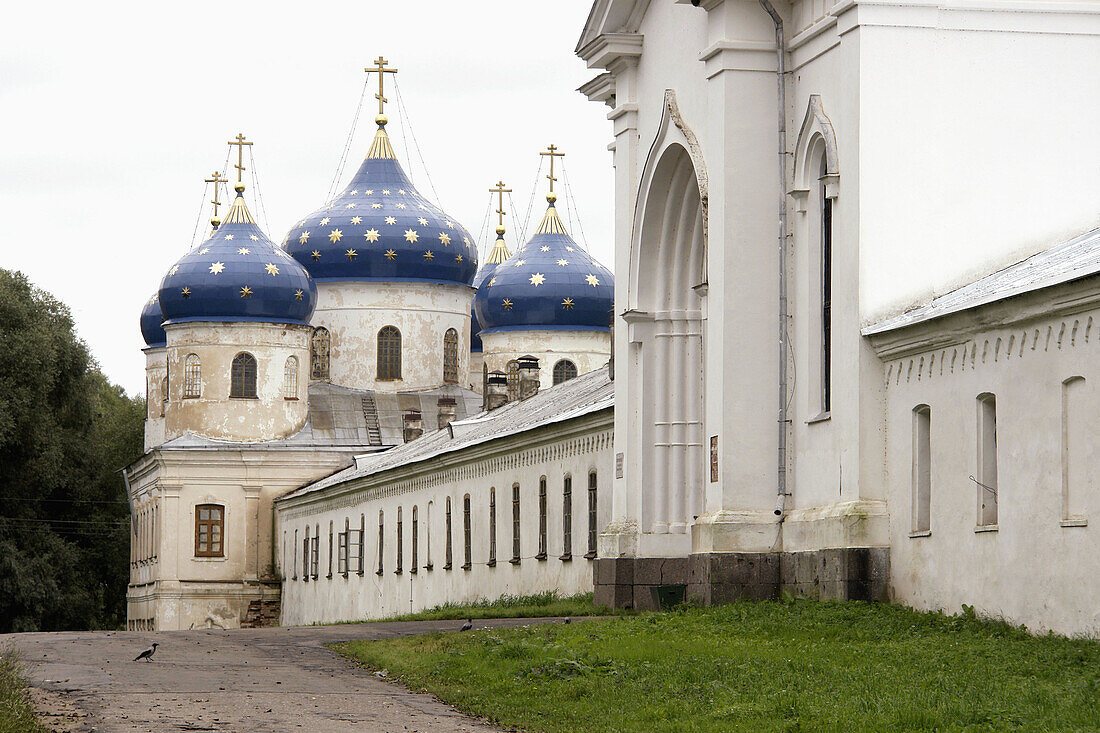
209,525
447,549
450,356
290,378
564,370
243,376
192,376
542,519
415,539
400,543
492,527
512,372
826,292
567,518
389,353
591,516
319,353
467,548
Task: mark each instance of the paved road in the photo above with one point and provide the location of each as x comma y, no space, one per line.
239,680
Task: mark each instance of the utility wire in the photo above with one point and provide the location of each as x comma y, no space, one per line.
259,194
571,200
347,144
482,235
412,134
531,200
67,501
198,217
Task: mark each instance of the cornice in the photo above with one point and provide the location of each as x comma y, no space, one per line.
607,48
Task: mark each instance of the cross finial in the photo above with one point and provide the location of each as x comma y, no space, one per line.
216,178
380,67
240,143
550,150
500,190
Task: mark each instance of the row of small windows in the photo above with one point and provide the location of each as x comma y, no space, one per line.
1075,477
242,377
349,545
388,353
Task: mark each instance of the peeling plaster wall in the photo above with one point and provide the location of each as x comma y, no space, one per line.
156,365
589,350
354,312
477,359
215,414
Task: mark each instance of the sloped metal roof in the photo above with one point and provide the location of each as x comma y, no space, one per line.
1072,260
577,397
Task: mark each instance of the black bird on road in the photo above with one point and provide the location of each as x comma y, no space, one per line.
147,654
468,625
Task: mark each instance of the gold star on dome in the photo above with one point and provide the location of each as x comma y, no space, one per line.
537,279
302,223
492,281
563,263
354,192
519,263
246,292
204,250
216,268
186,292
351,254
390,254
445,238
423,221
298,294
356,220
173,271
466,241
335,235
243,251
429,255
351,206
391,220
303,237
544,249
385,192
369,192
411,236
568,248
372,235
324,221
592,280
228,237
401,191
423,207
253,237
272,269
401,206
506,304
450,224
567,304
315,254
458,258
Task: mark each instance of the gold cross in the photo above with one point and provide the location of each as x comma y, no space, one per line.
217,178
380,67
500,190
240,143
552,155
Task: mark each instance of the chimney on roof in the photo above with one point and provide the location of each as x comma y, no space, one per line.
448,408
496,390
414,425
528,376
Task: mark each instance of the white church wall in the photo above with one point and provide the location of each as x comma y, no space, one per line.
588,350
574,450
1039,563
156,366
354,312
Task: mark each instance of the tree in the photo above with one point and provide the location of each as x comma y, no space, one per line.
65,431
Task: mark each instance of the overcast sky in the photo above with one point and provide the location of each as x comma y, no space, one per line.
112,114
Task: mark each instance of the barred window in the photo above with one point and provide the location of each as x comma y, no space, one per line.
447,554
542,519
564,370
209,527
492,527
192,377
567,518
450,356
305,556
389,353
467,549
381,537
415,539
243,376
515,523
342,551
294,558
329,549
315,552
360,537
591,516
400,542
512,372
355,549
319,348
290,378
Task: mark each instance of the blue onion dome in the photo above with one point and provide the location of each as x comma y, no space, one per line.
549,283
498,254
381,228
151,317
238,274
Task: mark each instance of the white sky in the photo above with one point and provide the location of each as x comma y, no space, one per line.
112,114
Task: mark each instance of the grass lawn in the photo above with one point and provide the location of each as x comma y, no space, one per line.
766,666
16,713
538,605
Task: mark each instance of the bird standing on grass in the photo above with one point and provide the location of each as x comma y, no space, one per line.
147,654
468,625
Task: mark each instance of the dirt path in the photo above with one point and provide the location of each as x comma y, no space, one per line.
240,680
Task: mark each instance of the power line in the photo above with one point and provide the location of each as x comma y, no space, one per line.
66,501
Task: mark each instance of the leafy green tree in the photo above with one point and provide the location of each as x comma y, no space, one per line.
65,431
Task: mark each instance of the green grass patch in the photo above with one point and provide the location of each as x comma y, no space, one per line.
539,605
765,666
16,713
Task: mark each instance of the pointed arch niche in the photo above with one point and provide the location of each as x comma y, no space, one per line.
666,307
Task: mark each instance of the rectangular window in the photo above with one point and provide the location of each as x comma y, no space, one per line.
209,525
492,527
1076,445
591,516
826,300
447,557
329,575
400,544
922,469
355,551
515,524
315,559
342,553
381,539
415,539
987,460
542,519
467,545
567,518
305,557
